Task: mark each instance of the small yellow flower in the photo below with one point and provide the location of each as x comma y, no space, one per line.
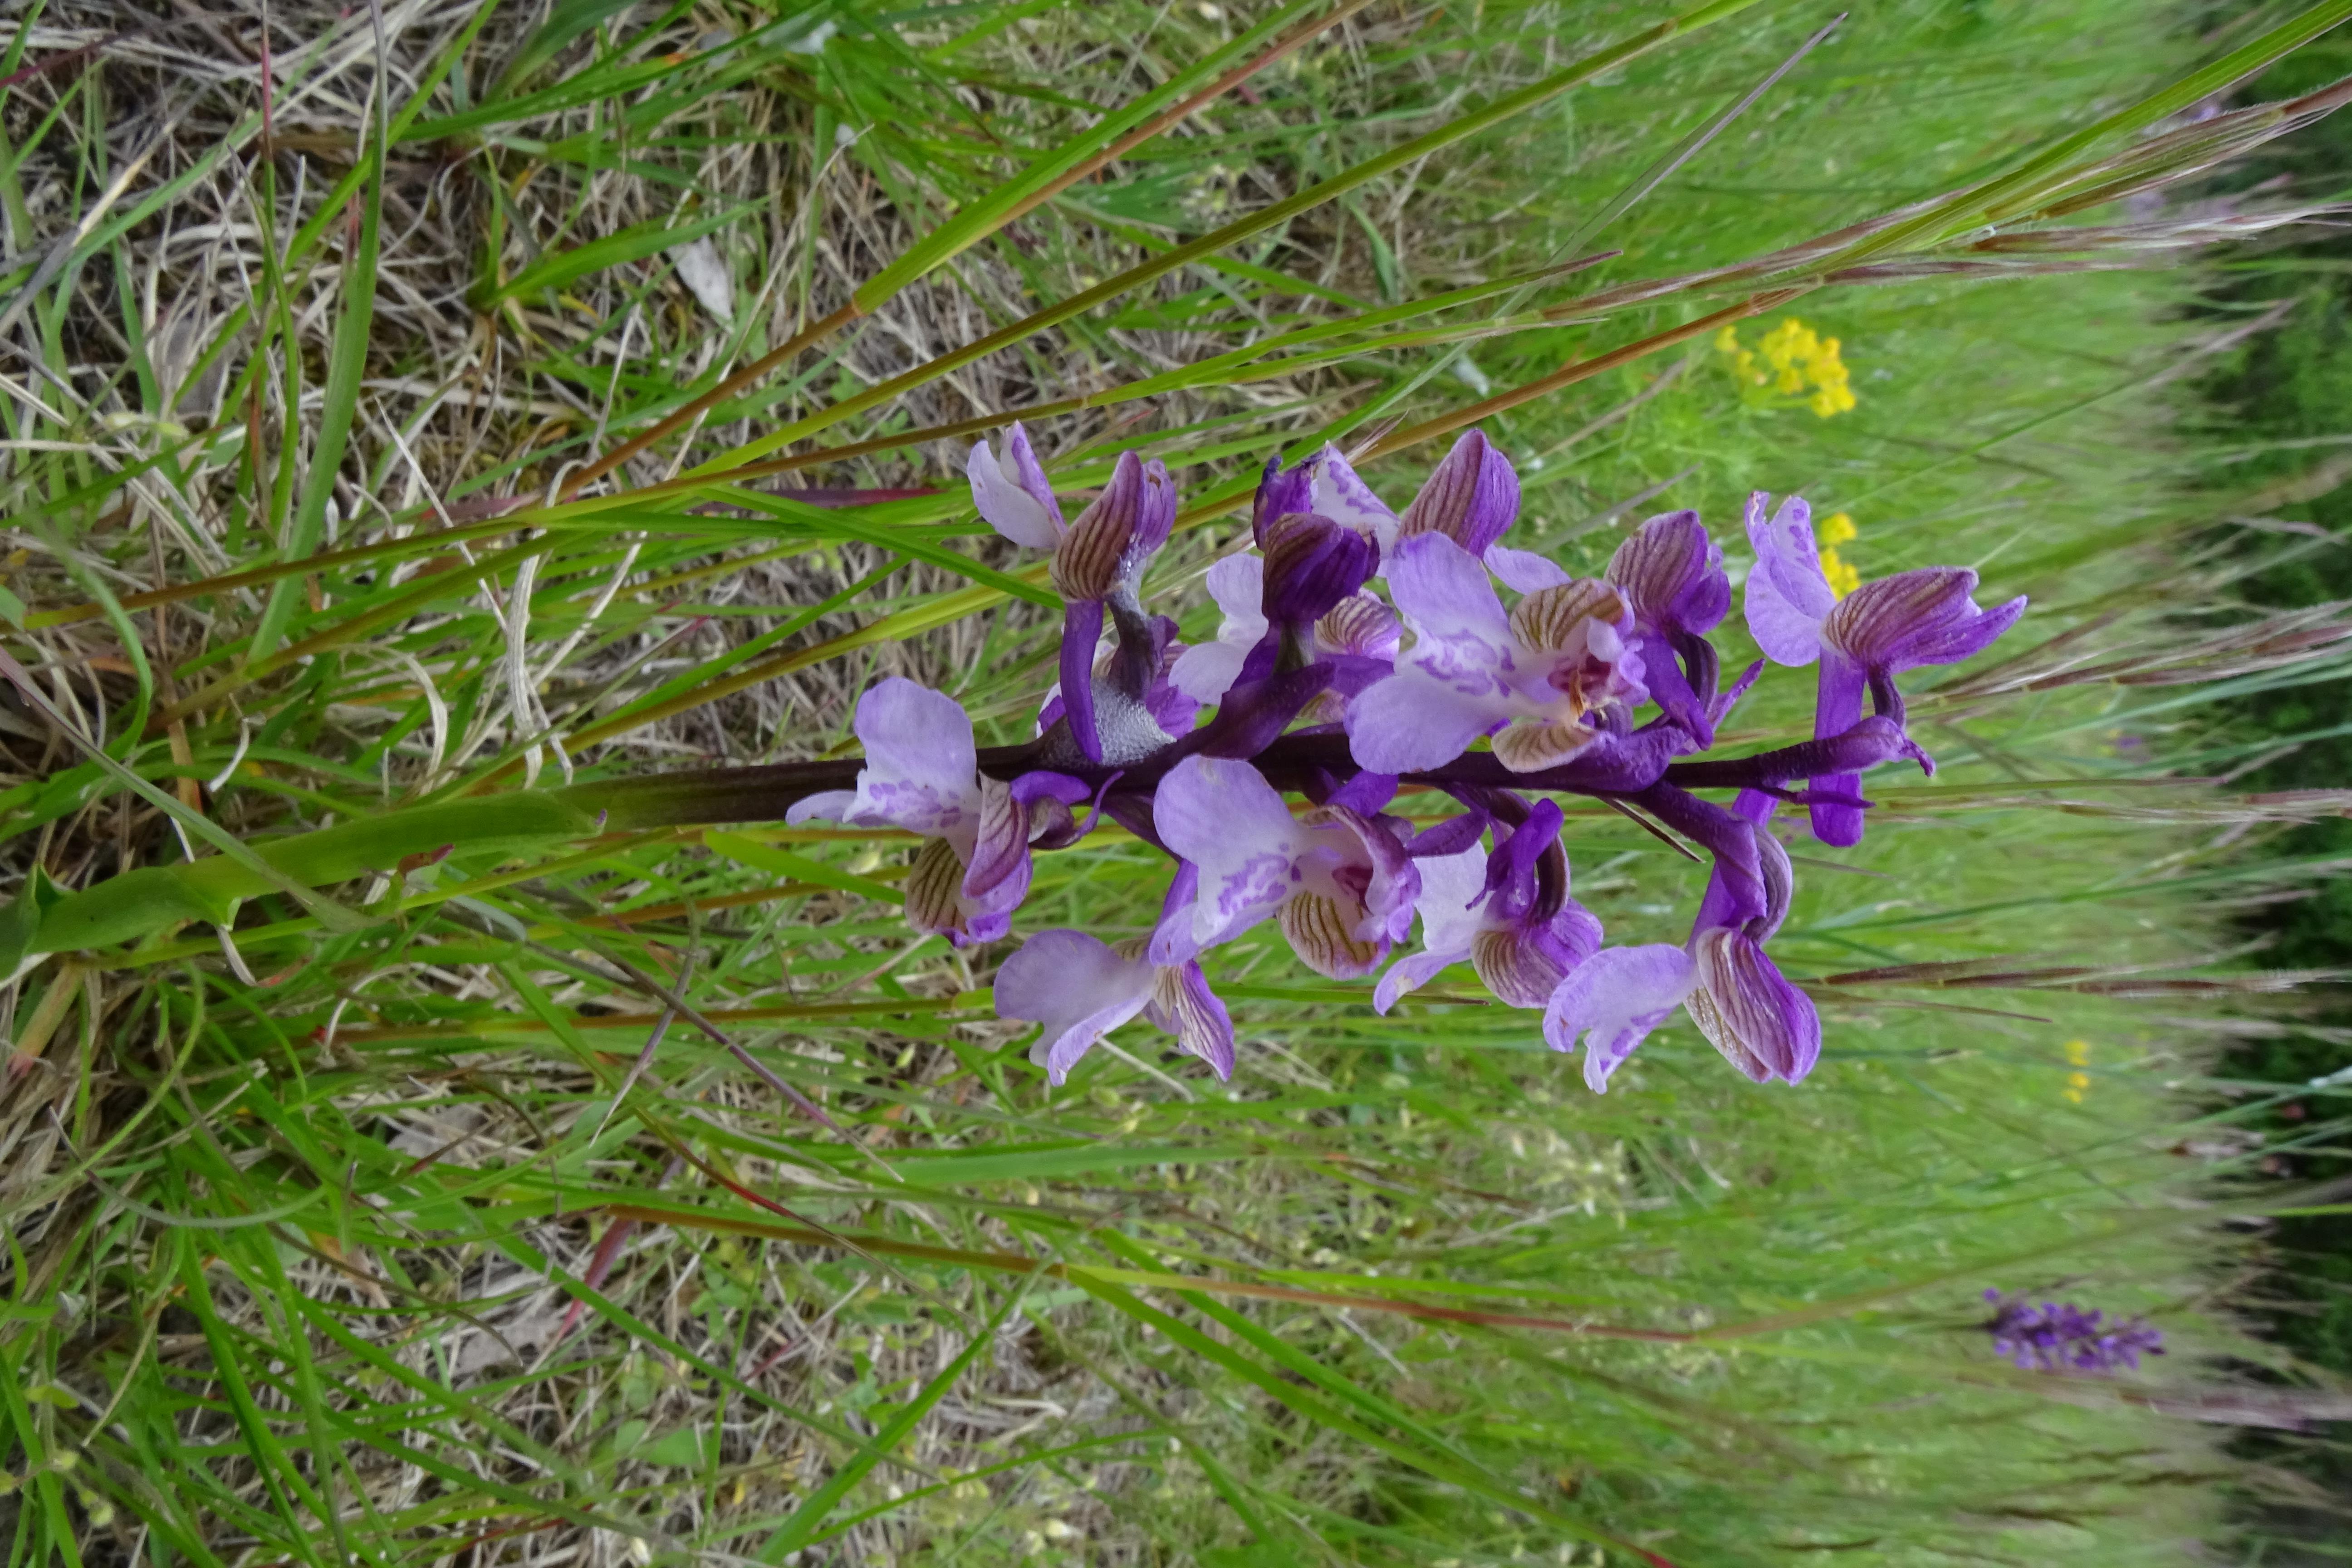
1837,528
1842,578
1784,364
2078,1083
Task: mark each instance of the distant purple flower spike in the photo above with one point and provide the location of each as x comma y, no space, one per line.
2049,1337
1548,670
921,773
1012,492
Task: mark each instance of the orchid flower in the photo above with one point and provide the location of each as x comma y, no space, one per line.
1864,640
1098,561
1761,1024
1507,912
1338,878
1358,626
922,774
1472,498
1326,486
1550,671
1670,574
1082,988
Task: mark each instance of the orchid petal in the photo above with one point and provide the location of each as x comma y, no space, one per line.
1334,491
1916,618
1613,1000
1079,988
1223,819
1787,596
1523,571
1763,1026
921,769
1471,497
1837,707
1012,492
1182,1004
1412,722
1672,574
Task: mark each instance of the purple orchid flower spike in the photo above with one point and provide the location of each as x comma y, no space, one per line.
922,774
1337,878
1012,492
1472,498
1904,622
1507,913
1761,1023
1081,988
1550,671
1672,576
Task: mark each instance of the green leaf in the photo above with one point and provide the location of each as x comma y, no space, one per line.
633,244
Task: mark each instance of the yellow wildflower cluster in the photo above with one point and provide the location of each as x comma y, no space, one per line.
1835,530
2078,1083
1784,363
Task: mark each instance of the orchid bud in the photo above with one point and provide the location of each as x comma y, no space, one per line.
1672,574
1472,498
1280,492
1112,540
1312,563
1327,485
1012,492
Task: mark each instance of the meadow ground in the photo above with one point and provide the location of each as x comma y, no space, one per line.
312,1246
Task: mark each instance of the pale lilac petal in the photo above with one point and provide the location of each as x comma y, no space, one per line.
1337,493
1412,722
1082,630
1787,596
1523,571
1452,885
830,805
1444,594
1012,492
922,770
1837,707
1411,974
1612,1000
1206,672
1075,986
1227,821
1238,583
